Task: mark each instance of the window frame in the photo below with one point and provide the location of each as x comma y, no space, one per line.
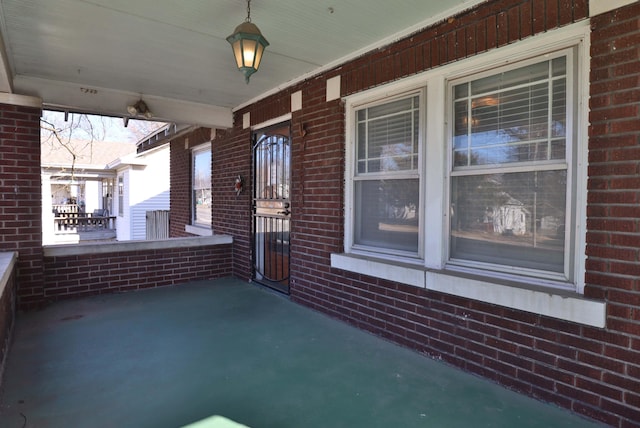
567,278
195,226
527,293
354,177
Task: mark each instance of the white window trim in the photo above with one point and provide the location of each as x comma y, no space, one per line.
557,279
196,228
535,295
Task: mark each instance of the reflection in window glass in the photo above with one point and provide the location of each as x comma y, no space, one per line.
512,117
388,214
508,195
388,137
515,219
201,194
386,188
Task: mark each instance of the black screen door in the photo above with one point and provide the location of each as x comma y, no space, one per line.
271,206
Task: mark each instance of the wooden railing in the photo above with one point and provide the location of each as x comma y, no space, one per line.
82,222
66,208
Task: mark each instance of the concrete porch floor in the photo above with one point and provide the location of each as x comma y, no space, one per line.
172,356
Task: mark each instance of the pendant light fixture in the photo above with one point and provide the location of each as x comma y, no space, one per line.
248,44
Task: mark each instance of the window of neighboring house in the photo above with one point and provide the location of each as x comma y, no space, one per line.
512,150
488,180
107,195
386,177
201,186
121,195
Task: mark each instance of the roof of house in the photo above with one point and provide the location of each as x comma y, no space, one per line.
88,153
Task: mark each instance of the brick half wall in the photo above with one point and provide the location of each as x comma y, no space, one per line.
86,270
8,305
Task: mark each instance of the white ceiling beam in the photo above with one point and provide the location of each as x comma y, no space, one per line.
68,96
5,70
20,100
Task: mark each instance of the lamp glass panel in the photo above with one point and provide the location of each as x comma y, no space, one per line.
259,52
249,52
237,52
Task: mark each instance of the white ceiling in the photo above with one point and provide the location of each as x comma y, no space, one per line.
100,55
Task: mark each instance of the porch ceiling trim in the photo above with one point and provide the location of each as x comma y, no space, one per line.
109,102
20,100
5,72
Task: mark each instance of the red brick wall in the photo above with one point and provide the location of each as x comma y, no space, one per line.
231,212
595,372
613,238
90,274
317,209
21,197
7,316
484,28
180,177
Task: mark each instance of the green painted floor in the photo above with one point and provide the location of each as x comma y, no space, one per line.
173,356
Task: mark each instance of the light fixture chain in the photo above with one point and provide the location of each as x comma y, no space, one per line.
248,11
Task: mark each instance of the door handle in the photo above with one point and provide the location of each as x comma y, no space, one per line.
285,212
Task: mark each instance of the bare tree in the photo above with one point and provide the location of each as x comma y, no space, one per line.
76,132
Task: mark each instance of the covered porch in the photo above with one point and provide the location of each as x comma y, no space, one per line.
172,356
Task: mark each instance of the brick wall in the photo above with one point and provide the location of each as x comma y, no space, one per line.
21,197
486,27
595,372
231,212
318,211
90,274
8,310
613,238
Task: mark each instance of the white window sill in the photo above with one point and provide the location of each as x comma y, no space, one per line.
65,250
559,304
198,230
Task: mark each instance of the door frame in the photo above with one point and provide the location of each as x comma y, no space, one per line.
271,213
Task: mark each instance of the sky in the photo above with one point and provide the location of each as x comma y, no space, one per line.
104,128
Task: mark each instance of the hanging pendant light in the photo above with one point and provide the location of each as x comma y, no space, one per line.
248,44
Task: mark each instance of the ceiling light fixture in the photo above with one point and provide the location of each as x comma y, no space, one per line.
248,44
140,108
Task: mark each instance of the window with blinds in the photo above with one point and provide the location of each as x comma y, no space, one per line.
386,182
510,168
512,117
476,167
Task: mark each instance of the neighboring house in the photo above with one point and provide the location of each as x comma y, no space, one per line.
85,185
118,179
141,186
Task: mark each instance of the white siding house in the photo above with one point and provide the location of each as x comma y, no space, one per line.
81,186
145,187
118,180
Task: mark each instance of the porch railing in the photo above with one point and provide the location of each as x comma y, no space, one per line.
67,218
65,209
